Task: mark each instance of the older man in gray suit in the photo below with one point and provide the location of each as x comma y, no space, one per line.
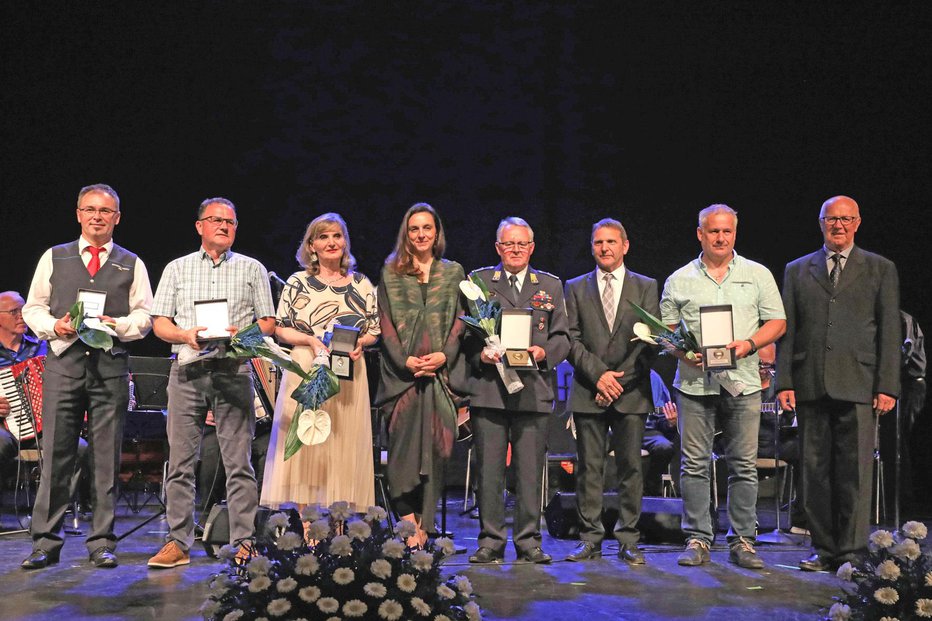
521,418
838,367
611,392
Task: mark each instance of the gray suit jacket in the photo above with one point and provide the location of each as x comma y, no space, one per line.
596,348
549,331
842,343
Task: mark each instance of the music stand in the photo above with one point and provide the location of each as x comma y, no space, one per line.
777,536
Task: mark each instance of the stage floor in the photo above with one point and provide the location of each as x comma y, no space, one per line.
606,589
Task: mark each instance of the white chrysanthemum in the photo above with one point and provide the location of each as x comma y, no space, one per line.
340,510
318,530
888,570
916,530
886,596
233,615
404,529
845,571
889,619
446,545
393,548
839,612
278,606
227,552
471,290
259,583
924,608
472,611
307,565
341,545
343,576
420,606
375,589
441,618
463,585
278,520
422,560
289,541
407,583
328,605
309,594
355,608
906,549
445,592
259,566
390,610
218,588
311,513
357,529
286,585
209,608
929,578
381,568
375,514
881,538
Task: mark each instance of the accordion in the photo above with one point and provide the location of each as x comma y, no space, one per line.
21,384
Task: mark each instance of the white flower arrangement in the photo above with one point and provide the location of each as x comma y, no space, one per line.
355,569
893,582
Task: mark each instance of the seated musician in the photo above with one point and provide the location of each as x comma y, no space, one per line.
768,434
16,346
661,440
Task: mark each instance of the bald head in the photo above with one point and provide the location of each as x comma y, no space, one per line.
841,201
839,220
9,299
12,326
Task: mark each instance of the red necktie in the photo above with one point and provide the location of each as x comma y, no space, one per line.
94,264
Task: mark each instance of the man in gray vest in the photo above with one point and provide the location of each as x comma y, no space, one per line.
81,379
220,384
520,418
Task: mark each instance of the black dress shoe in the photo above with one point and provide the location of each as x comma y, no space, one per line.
585,551
39,559
534,555
630,553
816,563
486,555
104,558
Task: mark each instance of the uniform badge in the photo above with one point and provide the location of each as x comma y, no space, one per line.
496,276
542,301
533,278
541,324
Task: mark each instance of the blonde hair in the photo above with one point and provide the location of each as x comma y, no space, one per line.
307,258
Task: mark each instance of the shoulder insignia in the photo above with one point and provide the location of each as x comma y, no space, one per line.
496,276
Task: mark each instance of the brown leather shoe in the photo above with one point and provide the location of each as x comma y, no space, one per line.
535,555
171,555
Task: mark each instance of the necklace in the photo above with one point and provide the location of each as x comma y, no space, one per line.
339,276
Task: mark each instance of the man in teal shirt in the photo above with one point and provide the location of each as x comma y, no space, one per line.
720,276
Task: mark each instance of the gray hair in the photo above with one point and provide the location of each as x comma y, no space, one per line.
513,221
103,188
714,209
210,201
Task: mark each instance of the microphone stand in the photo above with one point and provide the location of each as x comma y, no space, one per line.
777,536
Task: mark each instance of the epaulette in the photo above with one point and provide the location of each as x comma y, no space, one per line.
543,273
482,269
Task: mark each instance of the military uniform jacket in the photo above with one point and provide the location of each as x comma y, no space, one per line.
543,294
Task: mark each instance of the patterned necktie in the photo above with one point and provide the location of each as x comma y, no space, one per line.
836,269
513,279
94,264
608,300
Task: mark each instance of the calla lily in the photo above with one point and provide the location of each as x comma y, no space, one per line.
471,290
313,426
642,332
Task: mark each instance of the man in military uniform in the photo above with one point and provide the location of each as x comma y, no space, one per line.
521,418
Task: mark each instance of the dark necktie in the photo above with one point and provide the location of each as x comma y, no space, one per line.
513,279
835,274
94,264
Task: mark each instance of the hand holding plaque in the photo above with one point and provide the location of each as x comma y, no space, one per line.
716,327
516,338
343,342
214,315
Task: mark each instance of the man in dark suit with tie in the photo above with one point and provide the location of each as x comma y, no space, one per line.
839,367
521,418
611,391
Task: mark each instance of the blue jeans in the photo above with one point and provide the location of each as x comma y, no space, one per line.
739,419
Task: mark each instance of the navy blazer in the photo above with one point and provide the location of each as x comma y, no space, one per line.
843,343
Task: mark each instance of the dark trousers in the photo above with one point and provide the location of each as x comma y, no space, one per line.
527,431
211,475
837,450
593,442
9,448
64,403
661,450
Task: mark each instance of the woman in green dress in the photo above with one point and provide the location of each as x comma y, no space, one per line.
419,301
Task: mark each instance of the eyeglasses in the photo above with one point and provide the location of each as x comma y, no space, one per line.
103,212
833,220
16,312
510,245
218,221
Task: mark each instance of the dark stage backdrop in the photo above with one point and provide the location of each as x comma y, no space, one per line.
562,113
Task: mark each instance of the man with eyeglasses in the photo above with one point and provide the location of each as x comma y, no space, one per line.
222,385
839,368
520,418
80,379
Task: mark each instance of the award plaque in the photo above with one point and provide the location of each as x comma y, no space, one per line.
516,338
342,342
716,328
214,315
94,301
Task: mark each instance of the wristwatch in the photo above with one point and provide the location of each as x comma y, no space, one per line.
753,346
